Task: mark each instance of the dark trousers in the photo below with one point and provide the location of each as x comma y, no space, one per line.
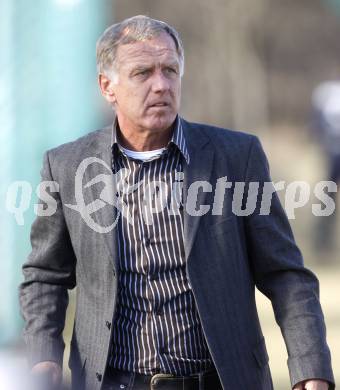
123,380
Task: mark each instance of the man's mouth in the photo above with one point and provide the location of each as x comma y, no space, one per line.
159,104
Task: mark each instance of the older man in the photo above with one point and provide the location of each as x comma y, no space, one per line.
165,284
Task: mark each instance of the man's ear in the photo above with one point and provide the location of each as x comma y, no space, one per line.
107,88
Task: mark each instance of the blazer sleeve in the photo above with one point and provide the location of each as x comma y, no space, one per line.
280,274
48,273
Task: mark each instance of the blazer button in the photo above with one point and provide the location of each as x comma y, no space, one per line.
108,324
99,376
114,273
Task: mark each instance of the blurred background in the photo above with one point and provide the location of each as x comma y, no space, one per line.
267,67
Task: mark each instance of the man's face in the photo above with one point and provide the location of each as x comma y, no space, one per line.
147,93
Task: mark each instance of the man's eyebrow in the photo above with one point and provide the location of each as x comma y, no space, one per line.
143,66
173,64
138,67
146,66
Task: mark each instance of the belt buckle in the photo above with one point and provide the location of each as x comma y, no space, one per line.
160,375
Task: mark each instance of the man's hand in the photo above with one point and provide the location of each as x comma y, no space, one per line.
47,375
312,384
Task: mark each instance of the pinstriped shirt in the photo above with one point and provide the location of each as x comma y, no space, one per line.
156,327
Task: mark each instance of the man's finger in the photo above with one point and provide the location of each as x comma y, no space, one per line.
299,386
316,384
46,376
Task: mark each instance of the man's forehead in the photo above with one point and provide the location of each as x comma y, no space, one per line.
148,50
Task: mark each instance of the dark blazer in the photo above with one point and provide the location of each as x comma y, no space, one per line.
227,256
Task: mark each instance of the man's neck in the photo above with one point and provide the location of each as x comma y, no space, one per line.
143,140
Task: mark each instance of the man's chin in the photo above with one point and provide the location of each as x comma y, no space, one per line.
160,124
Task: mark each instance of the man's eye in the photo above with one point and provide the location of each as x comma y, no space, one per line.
171,70
143,72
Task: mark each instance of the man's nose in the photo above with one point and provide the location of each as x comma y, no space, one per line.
159,82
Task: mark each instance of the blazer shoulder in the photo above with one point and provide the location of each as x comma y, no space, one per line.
64,159
225,139
86,142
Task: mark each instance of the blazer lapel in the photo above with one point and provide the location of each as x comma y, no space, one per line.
201,162
105,216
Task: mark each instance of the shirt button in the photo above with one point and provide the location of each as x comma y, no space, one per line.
122,386
147,241
99,376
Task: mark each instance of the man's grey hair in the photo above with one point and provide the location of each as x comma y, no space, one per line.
135,29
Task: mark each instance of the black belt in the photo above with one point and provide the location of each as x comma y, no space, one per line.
208,380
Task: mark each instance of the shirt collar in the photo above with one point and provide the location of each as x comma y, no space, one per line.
177,139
